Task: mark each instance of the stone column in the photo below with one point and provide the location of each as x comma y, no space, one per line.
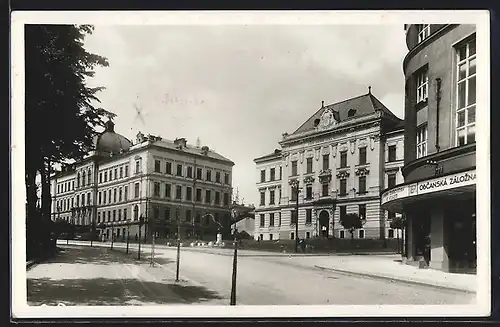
410,216
439,254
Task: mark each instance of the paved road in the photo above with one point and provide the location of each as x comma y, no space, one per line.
285,281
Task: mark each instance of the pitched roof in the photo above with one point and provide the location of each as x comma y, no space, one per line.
192,150
275,154
363,105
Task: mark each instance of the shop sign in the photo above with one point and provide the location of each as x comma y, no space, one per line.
395,193
447,182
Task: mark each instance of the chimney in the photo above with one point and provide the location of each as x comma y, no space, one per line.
180,143
322,104
204,149
139,138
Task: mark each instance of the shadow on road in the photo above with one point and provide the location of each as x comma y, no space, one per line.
105,291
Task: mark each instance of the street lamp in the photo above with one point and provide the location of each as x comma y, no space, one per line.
128,233
294,183
141,221
234,216
112,233
178,248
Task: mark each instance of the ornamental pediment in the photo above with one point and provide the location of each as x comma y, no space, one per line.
343,174
362,171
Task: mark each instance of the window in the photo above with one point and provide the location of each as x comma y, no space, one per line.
137,167
342,211
168,167
209,175
100,198
109,195
309,192
391,180
136,212
271,196
422,141
362,184
262,220
121,172
168,191
392,153
273,174
281,172
293,217
325,190
262,198
271,219
109,215
343,186
294,168
105,176
308,216
279,197
126,171
341,234
199,173
198,195
361,233
88,197
293,192
178,192
116,173
83,179
125,214
422,86
262,176
120,194
279,219
226,178
103,200
270,237
156,213
292,235
423,31
308,235
157,166
198,218
179,170
98,217
100,177
217,177
125,195
466,93
362,211
119,214
167,213
309,166
188,215
114,215
391,233
156,189
208,196
351,112
326,161
343,159
226,199
362,156
136,192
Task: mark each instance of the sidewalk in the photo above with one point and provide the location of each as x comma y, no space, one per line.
389,267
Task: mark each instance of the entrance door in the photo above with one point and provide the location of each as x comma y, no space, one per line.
324,223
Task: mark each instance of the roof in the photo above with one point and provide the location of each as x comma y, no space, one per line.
168,144
274,155
363,105
110,142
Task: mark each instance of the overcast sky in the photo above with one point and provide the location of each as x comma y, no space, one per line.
238,88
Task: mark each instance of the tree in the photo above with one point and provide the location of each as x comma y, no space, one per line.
351,222
398,223
60,113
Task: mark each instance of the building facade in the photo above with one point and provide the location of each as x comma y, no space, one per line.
163,182
438,196
342,157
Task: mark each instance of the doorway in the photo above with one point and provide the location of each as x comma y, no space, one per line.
324,223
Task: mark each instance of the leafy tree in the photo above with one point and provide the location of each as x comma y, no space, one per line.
61,116
398,223
351,222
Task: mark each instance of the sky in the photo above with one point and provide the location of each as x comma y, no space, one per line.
239,88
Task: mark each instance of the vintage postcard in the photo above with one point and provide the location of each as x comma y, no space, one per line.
250,164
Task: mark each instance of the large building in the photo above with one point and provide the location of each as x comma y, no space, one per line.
438,196
342,157
159,180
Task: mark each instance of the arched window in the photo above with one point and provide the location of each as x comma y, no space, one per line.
83,178
78,180
136,212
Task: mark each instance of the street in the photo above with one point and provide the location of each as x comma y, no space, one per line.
101,276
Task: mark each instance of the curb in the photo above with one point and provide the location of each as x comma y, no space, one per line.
399,280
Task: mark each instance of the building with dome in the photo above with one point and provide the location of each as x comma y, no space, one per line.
341,157
158,180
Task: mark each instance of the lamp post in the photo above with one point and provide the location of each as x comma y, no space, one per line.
141,221
294,183
112,233
178,248
128,233
234,216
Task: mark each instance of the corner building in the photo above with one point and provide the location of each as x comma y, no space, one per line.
342,157
438,196
163,181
